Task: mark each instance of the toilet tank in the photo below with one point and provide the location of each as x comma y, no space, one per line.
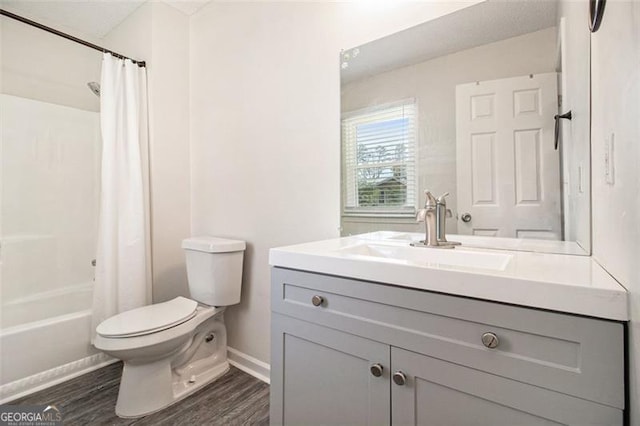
214,269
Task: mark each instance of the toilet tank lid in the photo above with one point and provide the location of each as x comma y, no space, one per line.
213,244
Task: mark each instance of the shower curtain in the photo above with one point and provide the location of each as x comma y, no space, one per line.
122,273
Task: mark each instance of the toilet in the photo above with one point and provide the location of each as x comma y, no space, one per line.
174,348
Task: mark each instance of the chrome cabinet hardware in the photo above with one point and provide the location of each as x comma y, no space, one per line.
317,300
466,217
490,340
376,370
399,378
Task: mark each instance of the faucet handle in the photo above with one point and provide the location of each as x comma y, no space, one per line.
441,200
430,200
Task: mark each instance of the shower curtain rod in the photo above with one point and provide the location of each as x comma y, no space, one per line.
67,36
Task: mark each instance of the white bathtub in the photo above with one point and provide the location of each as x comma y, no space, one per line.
47,347
49,199
45,305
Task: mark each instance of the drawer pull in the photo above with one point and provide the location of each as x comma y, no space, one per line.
376,370
317,300
490,340
399,378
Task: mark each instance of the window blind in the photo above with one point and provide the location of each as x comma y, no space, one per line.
379,160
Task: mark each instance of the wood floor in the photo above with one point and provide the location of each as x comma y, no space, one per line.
234,399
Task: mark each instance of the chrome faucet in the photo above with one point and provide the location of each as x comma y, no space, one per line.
428,215
434,216
442,214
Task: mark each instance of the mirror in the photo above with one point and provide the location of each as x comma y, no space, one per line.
473,103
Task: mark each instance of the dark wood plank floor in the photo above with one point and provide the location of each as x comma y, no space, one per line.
234,399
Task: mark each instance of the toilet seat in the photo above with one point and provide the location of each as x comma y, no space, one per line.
148,319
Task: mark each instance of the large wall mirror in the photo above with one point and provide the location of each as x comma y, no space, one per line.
474,103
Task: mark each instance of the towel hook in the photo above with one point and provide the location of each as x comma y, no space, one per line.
566,116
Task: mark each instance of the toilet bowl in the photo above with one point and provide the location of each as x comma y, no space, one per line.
174,348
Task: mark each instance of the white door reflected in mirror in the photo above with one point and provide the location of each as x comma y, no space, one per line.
508,169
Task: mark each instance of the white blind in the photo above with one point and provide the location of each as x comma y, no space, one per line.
379,160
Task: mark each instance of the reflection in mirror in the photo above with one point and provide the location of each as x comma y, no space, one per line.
465,104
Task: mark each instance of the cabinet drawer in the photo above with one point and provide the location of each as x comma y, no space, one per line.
570,354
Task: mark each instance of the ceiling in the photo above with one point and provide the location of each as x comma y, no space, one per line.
480,24
93,18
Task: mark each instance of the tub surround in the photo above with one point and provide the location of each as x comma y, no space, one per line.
557,282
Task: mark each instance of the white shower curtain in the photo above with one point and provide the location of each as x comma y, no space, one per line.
122,273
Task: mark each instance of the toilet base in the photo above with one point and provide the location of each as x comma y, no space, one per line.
148,385
143,390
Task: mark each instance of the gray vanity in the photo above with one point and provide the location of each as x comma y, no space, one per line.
357,351
516,326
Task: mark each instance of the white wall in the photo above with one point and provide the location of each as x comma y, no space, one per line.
616,207
265,135
433,84
41,66
159,34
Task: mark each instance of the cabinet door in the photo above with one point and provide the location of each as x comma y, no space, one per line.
323,376
437,392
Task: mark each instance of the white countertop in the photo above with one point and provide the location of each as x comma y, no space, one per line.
558,282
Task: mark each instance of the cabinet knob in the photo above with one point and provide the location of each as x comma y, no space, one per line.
399,378
317,300
376,370
490,340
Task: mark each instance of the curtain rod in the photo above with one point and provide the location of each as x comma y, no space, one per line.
67,36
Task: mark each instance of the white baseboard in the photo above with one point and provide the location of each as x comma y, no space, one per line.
23,387
250,365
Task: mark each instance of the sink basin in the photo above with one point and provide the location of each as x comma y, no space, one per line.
429,256
406,237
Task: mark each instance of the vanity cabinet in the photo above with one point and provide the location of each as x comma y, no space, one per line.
437,392
328,376
347,351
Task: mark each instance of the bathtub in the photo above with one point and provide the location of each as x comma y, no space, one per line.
41,345
49,199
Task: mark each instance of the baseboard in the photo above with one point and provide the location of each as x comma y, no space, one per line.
37,382
250,365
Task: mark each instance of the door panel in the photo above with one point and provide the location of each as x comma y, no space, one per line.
442,393
508,170
483,168
326,377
